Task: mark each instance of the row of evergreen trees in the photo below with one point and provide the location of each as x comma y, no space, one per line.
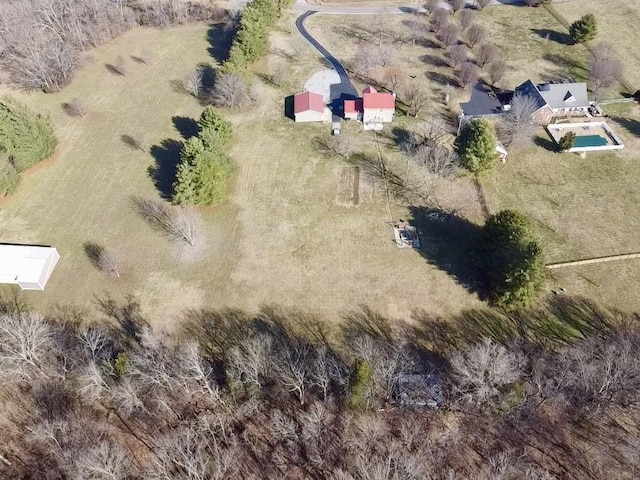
252,39
26,139
205,168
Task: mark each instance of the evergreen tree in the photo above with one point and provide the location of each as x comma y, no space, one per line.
510,260
584,29
211,125
477,146
361,386
567,141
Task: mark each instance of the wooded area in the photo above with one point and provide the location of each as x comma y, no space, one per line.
539,395
42,40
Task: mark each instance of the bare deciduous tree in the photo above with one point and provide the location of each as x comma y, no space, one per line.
249,362
137,141
458,54
230,90
496,72
418,30
448,34
25,340
291,367
394,77
179,223
518,120
467,74
466,18
483,369
75,107
457,5
431,5
109,263
475,34
415,97
487,53
193,83
106,460
439,18
482,3
605,68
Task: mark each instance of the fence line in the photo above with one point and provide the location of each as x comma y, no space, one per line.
588,261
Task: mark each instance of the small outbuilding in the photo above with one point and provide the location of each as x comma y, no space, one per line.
418,390
373,109
27,266
308,107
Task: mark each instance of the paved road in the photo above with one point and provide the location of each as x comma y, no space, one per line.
339,91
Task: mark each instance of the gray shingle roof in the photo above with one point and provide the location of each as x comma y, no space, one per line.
556,95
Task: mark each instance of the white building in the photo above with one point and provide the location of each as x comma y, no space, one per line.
26,265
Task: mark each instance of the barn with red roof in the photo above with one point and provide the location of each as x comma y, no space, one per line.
308,107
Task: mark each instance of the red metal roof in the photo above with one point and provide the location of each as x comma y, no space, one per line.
369,89
353,106
305,101
379,100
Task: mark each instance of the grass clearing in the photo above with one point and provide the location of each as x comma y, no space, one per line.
282,237
618,22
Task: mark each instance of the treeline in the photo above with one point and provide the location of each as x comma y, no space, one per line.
26,139
252,38
282,394
41,40
204,168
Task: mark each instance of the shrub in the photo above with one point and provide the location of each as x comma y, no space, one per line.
27,138
510,260
476,146
361,386
567,141
584,29
9,176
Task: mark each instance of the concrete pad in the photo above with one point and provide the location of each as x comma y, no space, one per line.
320,82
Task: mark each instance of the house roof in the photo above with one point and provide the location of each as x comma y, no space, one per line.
482,102
353,106
379,100
26,265
556,95
369,89
305,101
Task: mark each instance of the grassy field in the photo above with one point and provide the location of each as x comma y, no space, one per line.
618,22
285,236
583,208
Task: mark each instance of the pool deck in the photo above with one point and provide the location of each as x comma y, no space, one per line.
608,140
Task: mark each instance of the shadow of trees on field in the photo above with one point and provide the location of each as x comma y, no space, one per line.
127,314
441,78
220,36
433,61
545,143
187,127
93,251
553,35
629,124
163,173
448,242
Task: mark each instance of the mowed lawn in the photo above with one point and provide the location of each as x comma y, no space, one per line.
582,208
618,22
285,236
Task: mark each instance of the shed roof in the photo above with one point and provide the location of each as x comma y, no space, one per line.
353,106
26,265
306,101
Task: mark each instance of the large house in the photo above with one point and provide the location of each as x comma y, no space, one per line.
308,107
556,100
373,109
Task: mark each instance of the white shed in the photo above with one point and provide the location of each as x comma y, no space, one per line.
27,265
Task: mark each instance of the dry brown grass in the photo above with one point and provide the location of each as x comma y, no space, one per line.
618,22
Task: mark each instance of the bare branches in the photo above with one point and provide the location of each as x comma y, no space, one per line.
230,90
75,107
487,53
137,141
415,97
193,83
468,73
178,223
518,121
25,340
475,34
605,68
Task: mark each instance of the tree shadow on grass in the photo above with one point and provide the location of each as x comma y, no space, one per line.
187,127
629,124
163,173
220,37
553,35
448,242
127,314
433,61
545,143
441,78
93,252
